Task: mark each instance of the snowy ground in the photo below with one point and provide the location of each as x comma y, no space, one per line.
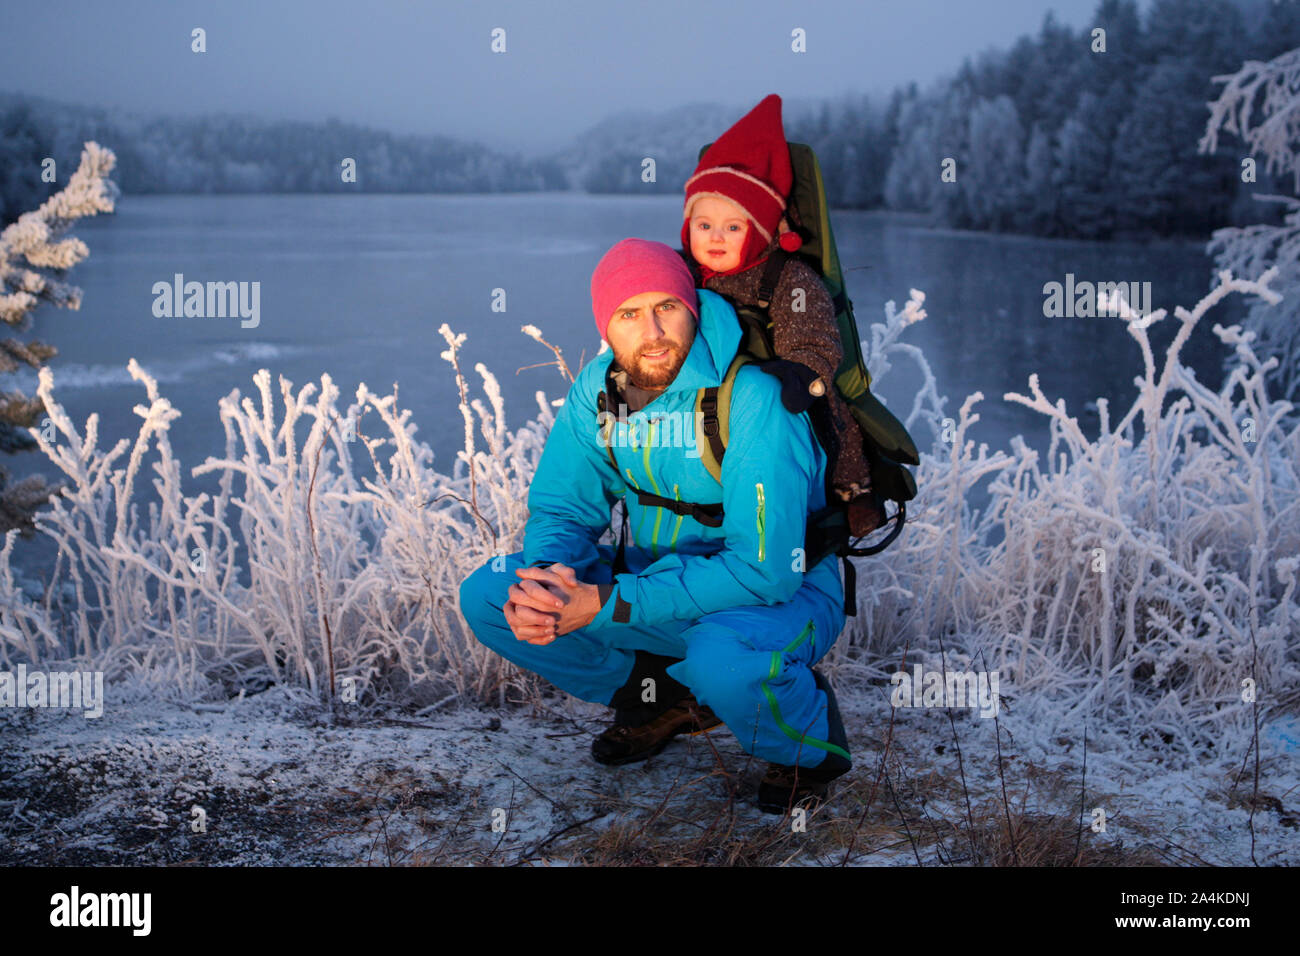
279,783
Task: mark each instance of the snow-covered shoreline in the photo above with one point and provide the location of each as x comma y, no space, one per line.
278,783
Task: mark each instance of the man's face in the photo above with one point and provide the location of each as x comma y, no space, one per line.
718,231
651,335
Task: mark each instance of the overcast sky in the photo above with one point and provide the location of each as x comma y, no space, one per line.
427,67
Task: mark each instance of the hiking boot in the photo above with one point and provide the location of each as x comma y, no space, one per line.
784,787
629,708
626,743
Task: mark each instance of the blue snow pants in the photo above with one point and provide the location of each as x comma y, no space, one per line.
750,664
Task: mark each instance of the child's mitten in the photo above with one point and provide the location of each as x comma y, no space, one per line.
800,385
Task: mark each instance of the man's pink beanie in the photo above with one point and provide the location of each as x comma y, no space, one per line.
635,266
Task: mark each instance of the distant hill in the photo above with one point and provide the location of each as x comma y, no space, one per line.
608,157
220,153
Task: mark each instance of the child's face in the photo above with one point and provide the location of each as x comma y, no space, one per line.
718,231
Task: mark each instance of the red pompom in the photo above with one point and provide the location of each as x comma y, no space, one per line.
790,241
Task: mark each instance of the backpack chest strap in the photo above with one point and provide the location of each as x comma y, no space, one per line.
709,515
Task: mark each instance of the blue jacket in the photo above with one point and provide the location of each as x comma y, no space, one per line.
773,475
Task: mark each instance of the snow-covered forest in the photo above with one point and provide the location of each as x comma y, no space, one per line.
1052,145
241,154
1048,144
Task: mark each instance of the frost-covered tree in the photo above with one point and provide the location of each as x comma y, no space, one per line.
31,258
911,178
20,159
1277,30
1082,170
1039,204
1209,33
950,139
996,174
1164,185
1051,74
932,128
1260,105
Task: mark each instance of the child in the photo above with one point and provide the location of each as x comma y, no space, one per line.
734,218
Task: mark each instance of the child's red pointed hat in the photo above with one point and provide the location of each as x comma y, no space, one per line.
748,165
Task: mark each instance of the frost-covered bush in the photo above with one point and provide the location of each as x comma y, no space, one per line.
332,576
1150,575
1260,106
1138,577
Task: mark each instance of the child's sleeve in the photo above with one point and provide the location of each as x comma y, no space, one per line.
812,336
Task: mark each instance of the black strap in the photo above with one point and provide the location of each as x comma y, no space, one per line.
601,404
850,589
771,276
710,424
709,514
898,518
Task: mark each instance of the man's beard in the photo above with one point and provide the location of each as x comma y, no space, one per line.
654,375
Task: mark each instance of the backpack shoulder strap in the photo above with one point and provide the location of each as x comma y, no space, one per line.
713,418
606,422
771,276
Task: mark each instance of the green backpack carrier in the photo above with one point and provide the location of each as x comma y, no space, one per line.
887,445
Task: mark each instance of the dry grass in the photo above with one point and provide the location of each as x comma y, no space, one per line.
884,812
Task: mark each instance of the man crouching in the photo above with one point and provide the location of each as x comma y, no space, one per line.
705,613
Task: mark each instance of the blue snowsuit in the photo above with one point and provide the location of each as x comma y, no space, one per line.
733,602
